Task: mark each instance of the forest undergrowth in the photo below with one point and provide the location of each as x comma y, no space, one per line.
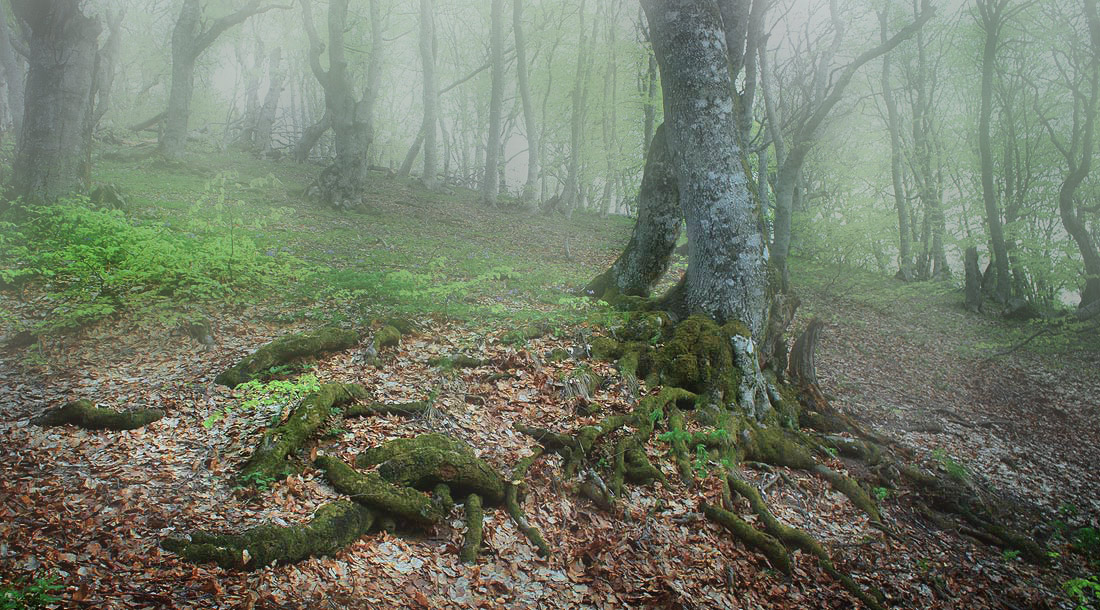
141,302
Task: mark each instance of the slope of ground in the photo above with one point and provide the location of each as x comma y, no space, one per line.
90,508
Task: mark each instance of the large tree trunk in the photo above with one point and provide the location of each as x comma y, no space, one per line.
490,181
54,153
647,255
530,188
431,94
727,267
341,184
310,137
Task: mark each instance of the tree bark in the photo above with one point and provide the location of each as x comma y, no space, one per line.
992,14
893,120
54,153
189,41
341,183
490,181
649,251
431,95
265,119
727,264
106,63
14,76
973,280
310,137
530,188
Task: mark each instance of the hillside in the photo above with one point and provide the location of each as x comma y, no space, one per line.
252,259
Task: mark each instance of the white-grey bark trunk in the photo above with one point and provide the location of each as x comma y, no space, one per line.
530,188
727,264
265,118
14,75
431,94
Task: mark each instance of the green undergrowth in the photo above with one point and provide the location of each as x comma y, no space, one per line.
276,395
228,229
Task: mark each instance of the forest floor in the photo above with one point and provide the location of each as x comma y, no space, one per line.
89,509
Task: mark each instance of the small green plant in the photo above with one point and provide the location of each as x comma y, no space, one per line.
1010,555
1087,541
277,392
1085,592
831,451
38,593
259,480
674,435
701,458
881,493
953,468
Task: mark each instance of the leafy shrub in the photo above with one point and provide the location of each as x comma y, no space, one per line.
276,393
96,262
35,594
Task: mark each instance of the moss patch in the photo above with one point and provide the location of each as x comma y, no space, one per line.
373,491
428,460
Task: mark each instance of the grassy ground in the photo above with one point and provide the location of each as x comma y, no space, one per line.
253,258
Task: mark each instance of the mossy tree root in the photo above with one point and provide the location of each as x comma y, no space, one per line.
407,409
285,349
762,542
796,539
428,460
84,414
513,500
373,491
333,527
475,521
269,460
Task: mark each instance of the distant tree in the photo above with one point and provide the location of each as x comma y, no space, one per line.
341,183
190,38
53,157
12,65
530,188
490,180
429,127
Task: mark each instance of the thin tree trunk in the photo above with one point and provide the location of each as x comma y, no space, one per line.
106,65
530,188
490,184
14,75
265,120
431,95
992,18
893,121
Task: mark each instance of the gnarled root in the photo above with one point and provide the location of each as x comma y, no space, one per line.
428,460
84,414
513,503
285,349
475,520
269,460
373,491
333,527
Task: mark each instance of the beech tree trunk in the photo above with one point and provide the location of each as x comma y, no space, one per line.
341,184
530,188
647,255
265,118
893,124
54,153
991,13
106,64
727,264
431,94
189,40
490,181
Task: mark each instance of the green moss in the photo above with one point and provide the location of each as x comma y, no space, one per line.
699,357
475,521
372,490
779,447
427,460
407,409
387,336
285,349
84,414
269,460
759,541
606,348
648,327
333,527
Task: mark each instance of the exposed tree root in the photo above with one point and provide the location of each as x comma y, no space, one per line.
373,491
333,527
84,414
513,503
408,409
762,542
475,521
285,349
428,460
269,460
